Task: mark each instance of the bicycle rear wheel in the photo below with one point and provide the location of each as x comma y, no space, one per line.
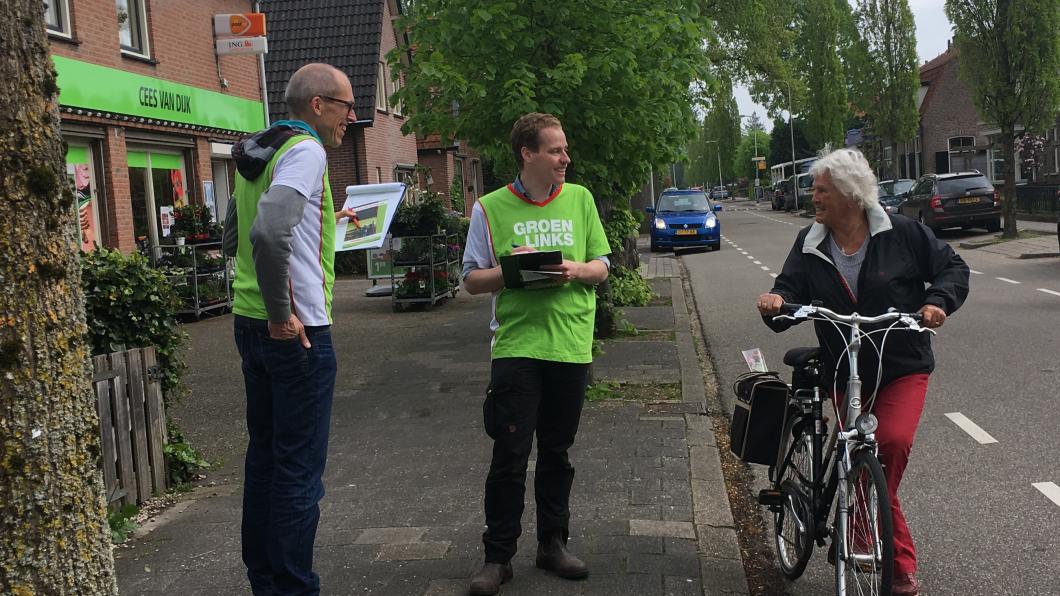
865,535
793,522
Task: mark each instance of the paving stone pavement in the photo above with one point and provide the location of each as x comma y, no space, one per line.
408,459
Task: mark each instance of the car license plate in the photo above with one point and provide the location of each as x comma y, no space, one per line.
967,200
686,232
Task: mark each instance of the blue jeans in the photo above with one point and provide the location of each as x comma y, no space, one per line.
289,394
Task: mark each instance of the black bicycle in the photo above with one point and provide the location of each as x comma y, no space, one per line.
808,478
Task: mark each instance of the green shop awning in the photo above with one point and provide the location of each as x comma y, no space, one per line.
94,87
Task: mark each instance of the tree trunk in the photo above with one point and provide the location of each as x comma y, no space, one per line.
53,524
1008,199
894,161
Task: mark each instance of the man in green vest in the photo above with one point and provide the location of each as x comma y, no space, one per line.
281,229
542,345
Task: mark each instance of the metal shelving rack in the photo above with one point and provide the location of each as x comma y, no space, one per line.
419,254
196,275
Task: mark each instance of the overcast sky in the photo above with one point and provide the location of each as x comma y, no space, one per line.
932,31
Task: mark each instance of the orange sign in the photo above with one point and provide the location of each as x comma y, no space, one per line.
250,24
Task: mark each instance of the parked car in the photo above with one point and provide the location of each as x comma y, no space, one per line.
892,192
804,185
719,193
960,199
783,200
684,218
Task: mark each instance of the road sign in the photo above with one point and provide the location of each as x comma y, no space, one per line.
242,45
251,24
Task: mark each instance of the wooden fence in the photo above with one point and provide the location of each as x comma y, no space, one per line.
132,424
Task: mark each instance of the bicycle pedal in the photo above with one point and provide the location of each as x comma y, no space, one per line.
770,497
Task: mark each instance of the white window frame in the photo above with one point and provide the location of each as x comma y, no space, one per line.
141,25
381,94
63,27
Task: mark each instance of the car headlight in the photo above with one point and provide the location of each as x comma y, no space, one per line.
711,222
660,224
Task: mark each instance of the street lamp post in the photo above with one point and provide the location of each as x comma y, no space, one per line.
721,181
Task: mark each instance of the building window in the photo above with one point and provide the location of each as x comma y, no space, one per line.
962,150
381,88
132,26
405,174
1056,160
57,16
398,108
81,168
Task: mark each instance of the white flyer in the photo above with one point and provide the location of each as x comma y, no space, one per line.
375,205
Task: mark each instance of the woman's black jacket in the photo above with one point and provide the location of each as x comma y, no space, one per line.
905,267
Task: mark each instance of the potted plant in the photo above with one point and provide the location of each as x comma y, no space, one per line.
185,223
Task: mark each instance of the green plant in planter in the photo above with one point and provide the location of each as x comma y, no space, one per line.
130,304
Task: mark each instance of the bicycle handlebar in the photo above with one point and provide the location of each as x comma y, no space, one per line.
805,311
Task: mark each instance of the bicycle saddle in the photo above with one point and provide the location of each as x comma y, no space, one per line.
797,357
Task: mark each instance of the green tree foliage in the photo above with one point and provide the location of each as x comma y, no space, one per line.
827,104
745,167
621,74
1010,57
755,42
718,140
780,143
889,78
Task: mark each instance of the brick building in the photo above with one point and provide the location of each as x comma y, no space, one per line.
356,36
149,111
953,136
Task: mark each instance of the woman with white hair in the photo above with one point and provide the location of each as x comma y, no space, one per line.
857,258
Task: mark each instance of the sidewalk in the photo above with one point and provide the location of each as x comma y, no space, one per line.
408,459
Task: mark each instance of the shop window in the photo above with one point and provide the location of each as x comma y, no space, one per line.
57,17
132,26
381,87
157,184
222,188
80,166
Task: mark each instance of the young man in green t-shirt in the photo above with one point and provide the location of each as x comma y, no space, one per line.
542,345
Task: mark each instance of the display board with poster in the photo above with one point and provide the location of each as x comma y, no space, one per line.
375,205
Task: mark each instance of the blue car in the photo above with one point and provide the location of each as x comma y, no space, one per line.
684,219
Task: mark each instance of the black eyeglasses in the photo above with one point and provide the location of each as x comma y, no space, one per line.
348,104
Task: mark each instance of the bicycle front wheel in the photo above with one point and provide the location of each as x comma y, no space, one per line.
793,523
865,534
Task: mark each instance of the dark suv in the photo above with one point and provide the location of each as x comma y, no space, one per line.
960,199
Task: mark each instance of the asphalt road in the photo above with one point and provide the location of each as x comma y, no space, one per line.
980,513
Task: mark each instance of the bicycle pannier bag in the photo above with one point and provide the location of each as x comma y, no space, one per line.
758,419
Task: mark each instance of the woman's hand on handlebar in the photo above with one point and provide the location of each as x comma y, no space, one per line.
933,316
769,304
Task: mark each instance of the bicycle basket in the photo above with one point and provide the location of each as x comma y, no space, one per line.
758,419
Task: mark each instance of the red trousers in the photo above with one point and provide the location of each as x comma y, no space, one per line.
898,407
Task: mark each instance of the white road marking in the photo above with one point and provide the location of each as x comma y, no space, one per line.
971,428
743,252
1007,280
976,272
773,275
750,257
764,268
1050,490
1049,291
757,262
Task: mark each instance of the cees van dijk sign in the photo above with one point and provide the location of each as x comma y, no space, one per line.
240,33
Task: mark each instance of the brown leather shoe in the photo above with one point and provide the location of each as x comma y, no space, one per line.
552,555
905,584
488,580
